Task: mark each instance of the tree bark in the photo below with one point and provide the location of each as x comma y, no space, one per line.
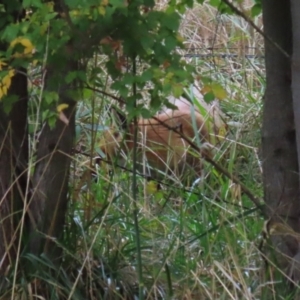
13,157
51,177
49,203
295,9
13,169
295,12
279,148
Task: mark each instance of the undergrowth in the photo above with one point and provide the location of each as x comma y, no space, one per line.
198,241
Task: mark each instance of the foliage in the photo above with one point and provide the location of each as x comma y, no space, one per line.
126,32
194,242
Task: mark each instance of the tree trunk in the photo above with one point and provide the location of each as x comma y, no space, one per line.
279,149
49,204
13,158
295,8
13,169
51,177
295,11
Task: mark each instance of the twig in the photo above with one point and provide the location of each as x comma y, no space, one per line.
251,23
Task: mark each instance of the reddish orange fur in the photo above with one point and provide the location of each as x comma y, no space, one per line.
161,147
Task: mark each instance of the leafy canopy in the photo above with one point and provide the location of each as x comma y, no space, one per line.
128,33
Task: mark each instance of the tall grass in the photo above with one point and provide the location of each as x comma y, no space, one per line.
198,241
201,241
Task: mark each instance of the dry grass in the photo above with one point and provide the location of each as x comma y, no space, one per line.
203,238
198,243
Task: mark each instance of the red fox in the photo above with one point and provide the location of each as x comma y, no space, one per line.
160,149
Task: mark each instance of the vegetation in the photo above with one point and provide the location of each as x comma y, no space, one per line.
75,226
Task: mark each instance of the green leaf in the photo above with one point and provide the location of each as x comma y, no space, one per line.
177,90
50,97
171,42
146,76
10,32
121,88
219,92
215,3
171,21
205,80
114,3
71,76
146,42
155,102
145,113
73,3
52,121
221,6
87,93
8,102
190,3
128,79
149,3
32,3
256,10
209,97
112,70
181,8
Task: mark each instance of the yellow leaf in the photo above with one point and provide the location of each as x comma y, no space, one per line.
101,10
11,72
5,82
206,89
4,89
50,4
62,107
2,64
179,38
75,13
151,187
104,2
26,43
219,91
1,93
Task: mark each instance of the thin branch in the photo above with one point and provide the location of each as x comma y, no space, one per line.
251,23
258,202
